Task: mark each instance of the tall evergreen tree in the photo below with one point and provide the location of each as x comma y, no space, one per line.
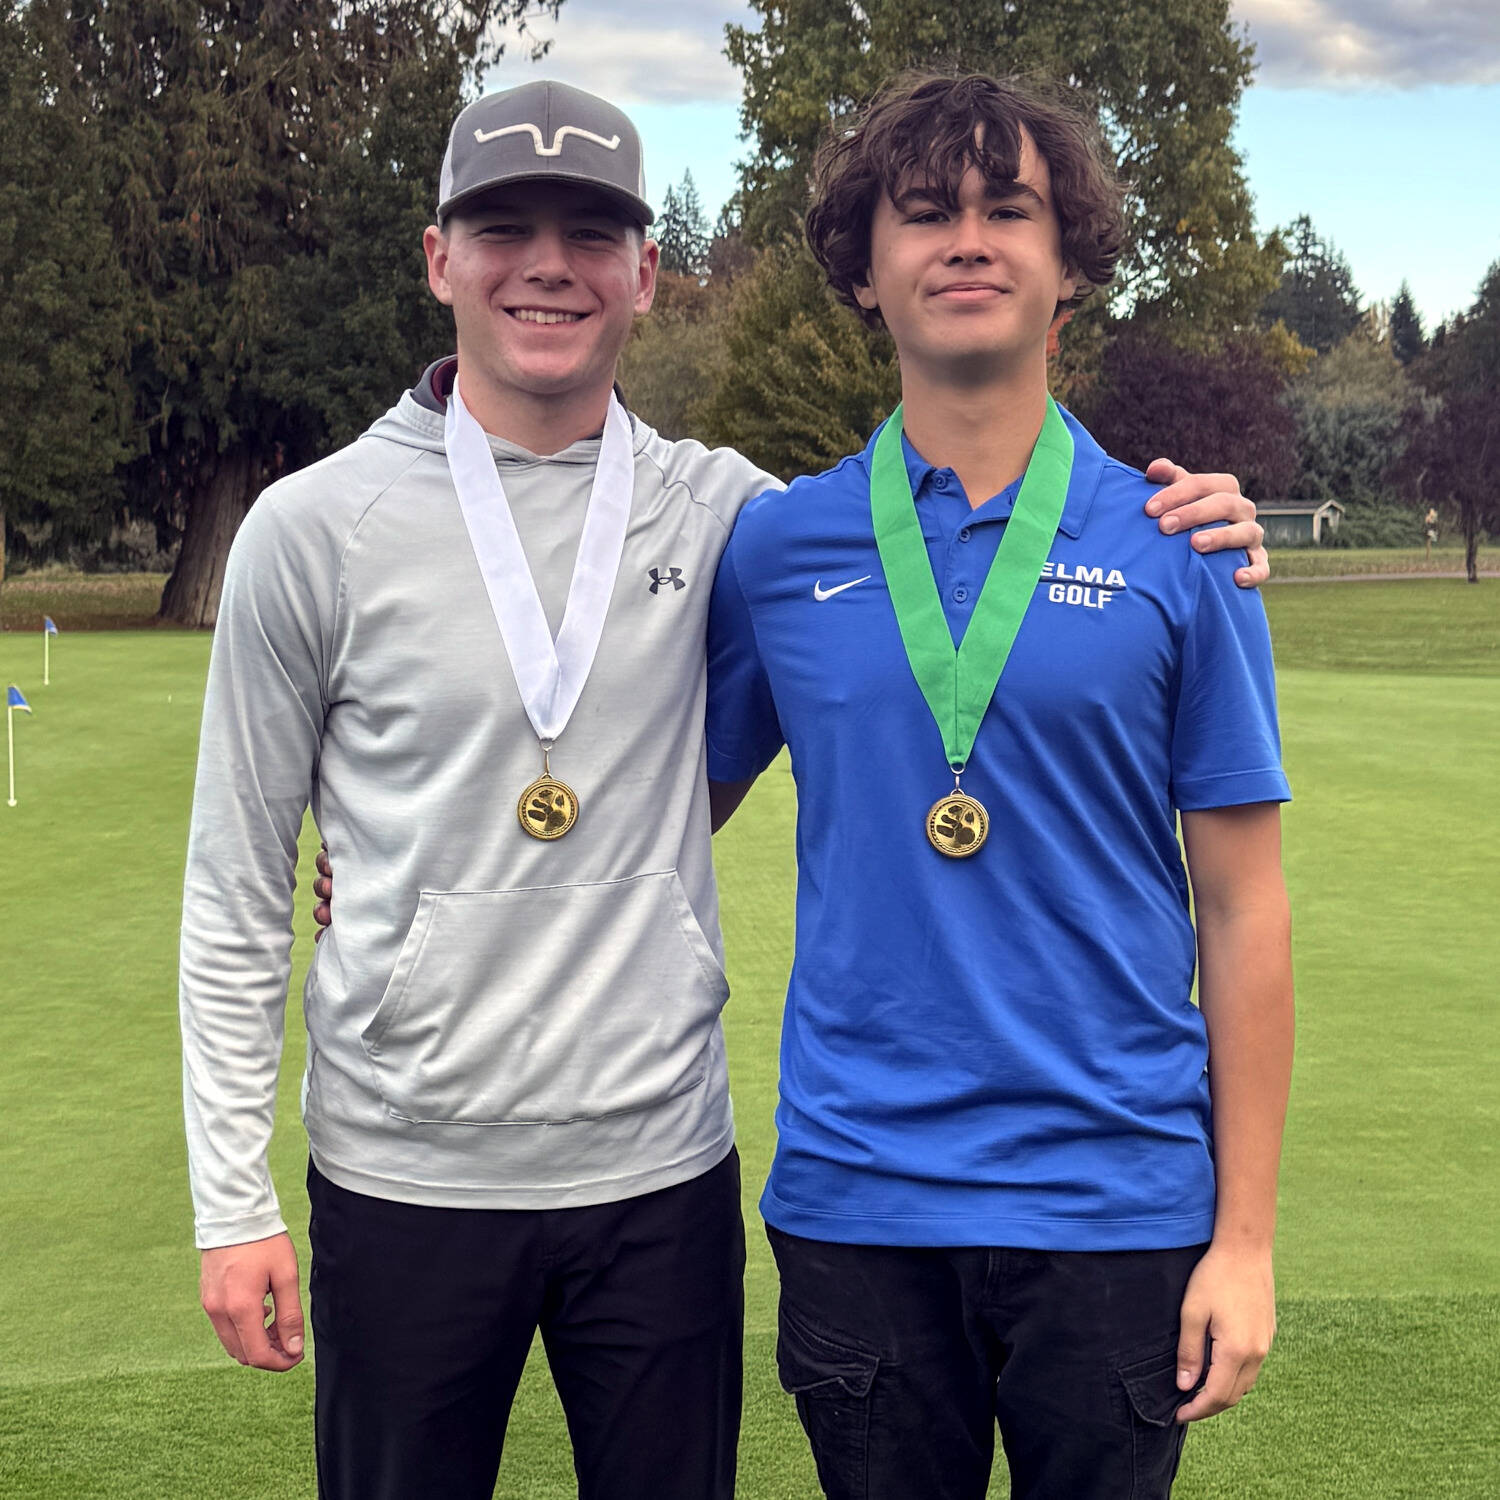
666,227
681,230
361,322
1167,76
63,399
221,122
1408,339
1317,298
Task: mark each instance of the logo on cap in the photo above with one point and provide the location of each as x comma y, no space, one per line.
555,149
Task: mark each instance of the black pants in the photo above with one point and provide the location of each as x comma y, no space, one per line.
902,1360
423,1318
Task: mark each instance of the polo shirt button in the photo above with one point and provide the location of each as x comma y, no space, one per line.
941,481
965,534
960,594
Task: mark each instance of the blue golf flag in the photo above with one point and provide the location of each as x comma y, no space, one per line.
49,629
14,699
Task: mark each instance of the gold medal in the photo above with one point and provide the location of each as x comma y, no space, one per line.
548,808
957,825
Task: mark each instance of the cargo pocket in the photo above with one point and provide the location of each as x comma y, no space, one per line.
1156,1436
547,1005
831,1382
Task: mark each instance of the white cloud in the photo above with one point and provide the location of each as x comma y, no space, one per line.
672,51
1350,43
677,57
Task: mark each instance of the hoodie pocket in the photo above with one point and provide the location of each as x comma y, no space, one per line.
546,1005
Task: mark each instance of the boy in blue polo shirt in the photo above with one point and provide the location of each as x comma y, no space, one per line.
1019,1174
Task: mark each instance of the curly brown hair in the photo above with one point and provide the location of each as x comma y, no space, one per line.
928,129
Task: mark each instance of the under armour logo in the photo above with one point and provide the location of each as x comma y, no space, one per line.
555,149
674,577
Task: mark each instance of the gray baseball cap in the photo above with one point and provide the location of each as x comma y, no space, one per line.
544,132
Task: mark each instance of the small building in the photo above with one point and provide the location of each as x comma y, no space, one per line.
1299,523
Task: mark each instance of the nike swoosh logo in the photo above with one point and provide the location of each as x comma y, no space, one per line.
820,593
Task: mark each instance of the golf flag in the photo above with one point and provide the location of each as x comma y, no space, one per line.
14,699
49,629
49,625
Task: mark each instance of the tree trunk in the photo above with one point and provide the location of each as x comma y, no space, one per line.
191,596
1470,518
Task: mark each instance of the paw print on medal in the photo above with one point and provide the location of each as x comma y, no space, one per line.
547,809
957,826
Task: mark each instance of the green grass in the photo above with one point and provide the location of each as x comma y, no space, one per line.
112,1385
1335,562
1435,626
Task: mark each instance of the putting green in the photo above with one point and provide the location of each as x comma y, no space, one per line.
112,1385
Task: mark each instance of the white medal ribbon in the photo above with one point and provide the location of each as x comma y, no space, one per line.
550,676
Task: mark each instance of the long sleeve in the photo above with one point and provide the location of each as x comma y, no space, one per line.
744,734
262,726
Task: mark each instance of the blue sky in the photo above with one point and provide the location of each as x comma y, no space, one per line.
1379,118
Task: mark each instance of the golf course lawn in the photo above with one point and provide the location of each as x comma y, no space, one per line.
1381,1381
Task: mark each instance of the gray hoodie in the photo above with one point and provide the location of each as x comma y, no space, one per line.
493,1022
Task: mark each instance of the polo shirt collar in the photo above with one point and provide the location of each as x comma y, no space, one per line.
1088,469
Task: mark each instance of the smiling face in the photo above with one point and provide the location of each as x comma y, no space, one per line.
545,281
969,284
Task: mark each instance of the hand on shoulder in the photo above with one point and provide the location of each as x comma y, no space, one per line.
1188,500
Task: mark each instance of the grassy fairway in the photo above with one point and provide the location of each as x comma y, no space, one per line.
112,1385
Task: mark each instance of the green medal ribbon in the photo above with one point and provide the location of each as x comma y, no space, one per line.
959,684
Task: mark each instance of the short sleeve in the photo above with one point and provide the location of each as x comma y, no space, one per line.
1226,744
744,732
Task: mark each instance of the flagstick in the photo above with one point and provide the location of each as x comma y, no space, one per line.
10,751
46,658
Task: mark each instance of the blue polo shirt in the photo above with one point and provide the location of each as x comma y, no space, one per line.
1000,1050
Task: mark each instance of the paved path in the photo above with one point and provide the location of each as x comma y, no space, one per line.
1372,577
